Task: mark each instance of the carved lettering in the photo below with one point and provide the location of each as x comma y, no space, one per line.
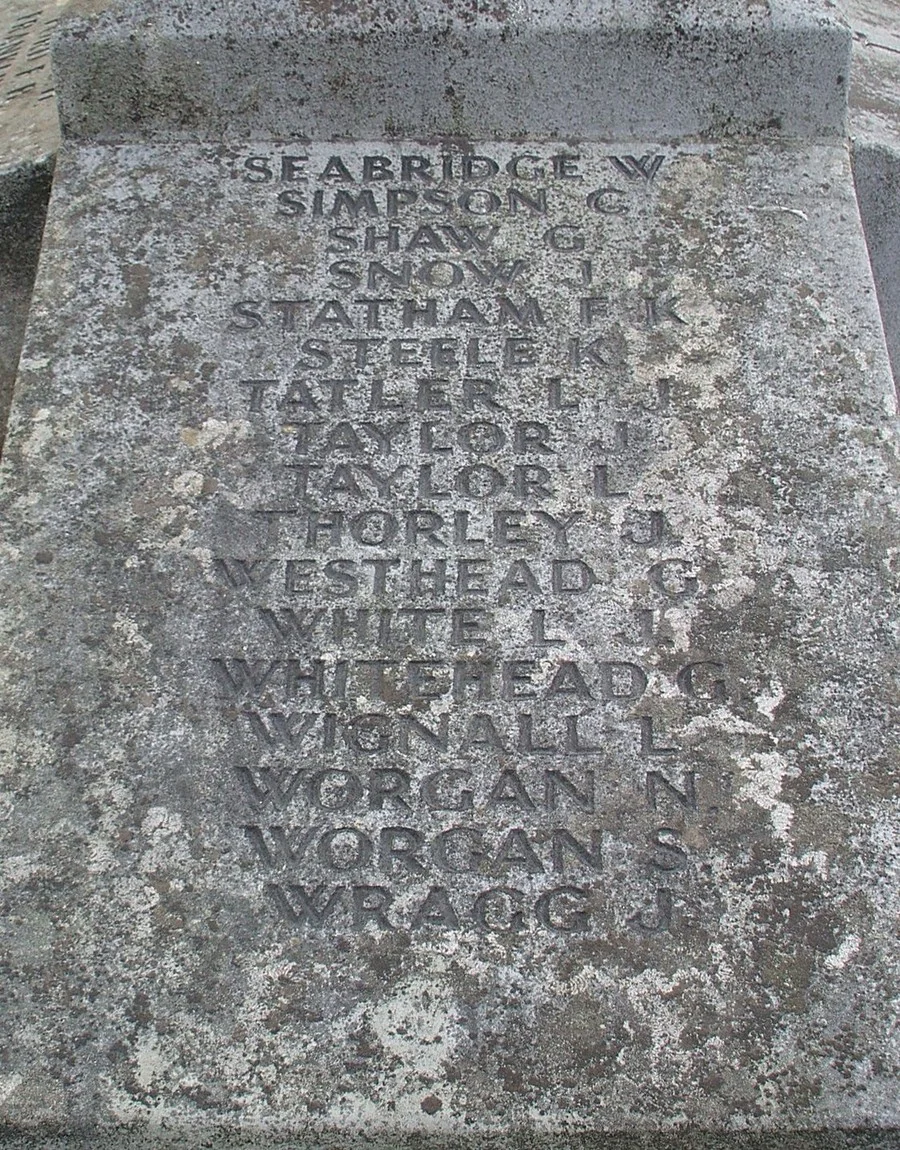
455,596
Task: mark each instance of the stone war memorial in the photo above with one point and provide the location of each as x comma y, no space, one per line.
448,577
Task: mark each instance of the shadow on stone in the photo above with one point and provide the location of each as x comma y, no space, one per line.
24,193
876,173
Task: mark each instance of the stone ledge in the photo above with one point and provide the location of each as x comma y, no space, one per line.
129,1138
419,69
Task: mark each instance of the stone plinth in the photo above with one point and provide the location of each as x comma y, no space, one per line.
589,69
448,596
448,668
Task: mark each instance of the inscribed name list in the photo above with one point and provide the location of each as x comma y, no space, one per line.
449,666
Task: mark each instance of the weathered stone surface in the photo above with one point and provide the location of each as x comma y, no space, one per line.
447,666
875,130
595,69
28,140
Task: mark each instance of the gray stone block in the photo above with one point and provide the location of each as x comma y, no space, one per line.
447,593
447,664
586,69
